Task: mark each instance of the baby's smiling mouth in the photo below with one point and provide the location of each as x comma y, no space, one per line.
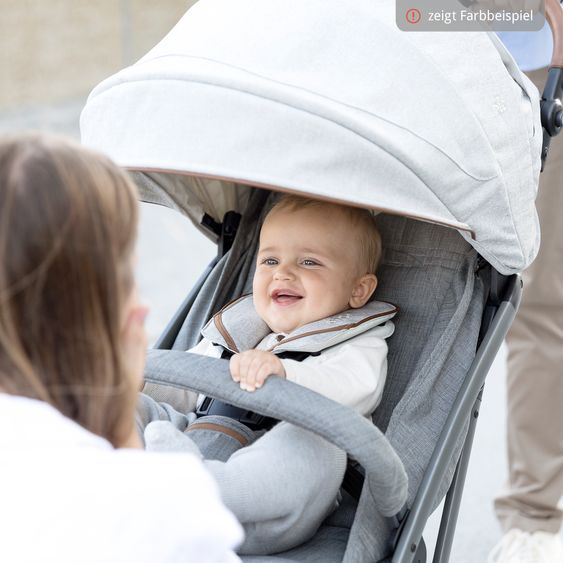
285,296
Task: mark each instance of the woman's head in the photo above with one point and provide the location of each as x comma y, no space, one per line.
68,221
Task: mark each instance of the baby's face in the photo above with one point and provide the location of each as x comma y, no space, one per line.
306,268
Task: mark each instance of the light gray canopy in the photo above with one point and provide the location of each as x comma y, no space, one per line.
329,98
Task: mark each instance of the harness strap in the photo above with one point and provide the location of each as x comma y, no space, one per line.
242,440
252,420
297,356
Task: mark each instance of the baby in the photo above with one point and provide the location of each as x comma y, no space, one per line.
315,273
315,260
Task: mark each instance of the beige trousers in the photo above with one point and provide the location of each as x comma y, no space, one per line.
535,370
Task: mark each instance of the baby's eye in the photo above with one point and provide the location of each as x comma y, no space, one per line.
309,262
269,262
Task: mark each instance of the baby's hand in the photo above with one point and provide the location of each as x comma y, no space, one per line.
252,368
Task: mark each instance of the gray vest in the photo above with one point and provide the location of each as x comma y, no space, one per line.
237,327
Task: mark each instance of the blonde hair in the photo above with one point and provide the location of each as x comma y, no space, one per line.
367,234
68,220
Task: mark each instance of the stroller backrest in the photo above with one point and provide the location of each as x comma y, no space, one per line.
429,272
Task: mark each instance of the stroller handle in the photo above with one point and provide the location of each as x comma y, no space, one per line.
550,104
386,478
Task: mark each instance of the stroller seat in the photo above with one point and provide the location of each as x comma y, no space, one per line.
431,273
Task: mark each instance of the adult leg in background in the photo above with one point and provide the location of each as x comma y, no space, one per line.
535,371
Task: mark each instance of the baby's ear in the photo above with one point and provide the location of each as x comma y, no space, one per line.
362,291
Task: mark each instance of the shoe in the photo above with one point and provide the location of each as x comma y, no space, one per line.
517,546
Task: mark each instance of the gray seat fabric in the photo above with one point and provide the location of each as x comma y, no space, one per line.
430,273
328,546
232,276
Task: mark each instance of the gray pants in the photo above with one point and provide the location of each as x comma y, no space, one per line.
535,364
280,487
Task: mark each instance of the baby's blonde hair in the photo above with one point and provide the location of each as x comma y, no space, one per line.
367,234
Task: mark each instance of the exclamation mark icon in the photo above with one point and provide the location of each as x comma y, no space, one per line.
413,16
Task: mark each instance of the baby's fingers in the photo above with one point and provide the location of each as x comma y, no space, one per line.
234,367
262,374
249,381
244,362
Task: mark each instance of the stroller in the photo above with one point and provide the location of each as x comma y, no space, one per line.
243,100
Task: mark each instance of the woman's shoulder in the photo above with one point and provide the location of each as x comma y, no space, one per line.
75,493
32,424
174,502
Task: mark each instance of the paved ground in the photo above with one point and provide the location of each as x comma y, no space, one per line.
171,256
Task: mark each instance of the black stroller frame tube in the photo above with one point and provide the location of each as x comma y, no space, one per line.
453,498
466,404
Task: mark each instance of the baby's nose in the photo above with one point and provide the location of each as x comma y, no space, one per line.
283,273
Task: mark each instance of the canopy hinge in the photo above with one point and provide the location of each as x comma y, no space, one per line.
225,231
229,229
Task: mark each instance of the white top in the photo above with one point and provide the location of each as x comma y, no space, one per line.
68,497
351,373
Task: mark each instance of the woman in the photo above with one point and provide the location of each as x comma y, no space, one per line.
72,347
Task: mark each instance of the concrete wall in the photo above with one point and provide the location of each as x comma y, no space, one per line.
57,50
52,53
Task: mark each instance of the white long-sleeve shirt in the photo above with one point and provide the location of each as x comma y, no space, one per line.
351,373
68,497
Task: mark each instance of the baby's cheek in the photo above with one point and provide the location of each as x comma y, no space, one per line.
257,298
